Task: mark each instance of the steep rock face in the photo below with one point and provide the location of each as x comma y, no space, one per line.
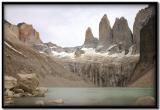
148,40
104,74
28,34
90,41
22,32
105,34
141,19
122,35
147,35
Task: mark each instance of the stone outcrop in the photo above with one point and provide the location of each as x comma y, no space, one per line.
90,40
145,31
10,82
145,100
28,82
17,90
26,86
122,35
55,101
105,34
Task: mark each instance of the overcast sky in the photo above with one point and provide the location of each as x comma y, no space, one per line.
65,25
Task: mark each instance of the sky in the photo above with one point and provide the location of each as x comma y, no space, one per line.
65,25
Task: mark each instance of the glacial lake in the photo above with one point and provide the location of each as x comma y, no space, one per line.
89,96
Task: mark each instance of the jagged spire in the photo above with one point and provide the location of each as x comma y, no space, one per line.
105,33
90,41
122,34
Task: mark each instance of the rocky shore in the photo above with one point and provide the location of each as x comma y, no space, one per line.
24,85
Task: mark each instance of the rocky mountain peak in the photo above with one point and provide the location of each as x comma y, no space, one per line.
122,18
90,40
122,35
105,32
121,21
104,17
88,36
104,21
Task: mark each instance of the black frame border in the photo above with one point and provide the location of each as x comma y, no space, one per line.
86,3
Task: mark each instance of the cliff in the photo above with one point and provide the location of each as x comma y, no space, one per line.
147,37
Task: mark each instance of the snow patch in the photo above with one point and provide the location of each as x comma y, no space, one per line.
91,53
110,47
41,52
63,54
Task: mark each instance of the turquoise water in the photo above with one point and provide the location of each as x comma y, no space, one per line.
90,96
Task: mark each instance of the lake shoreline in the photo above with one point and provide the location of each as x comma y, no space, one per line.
88,96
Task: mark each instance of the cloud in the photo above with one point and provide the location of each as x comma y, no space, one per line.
65,25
